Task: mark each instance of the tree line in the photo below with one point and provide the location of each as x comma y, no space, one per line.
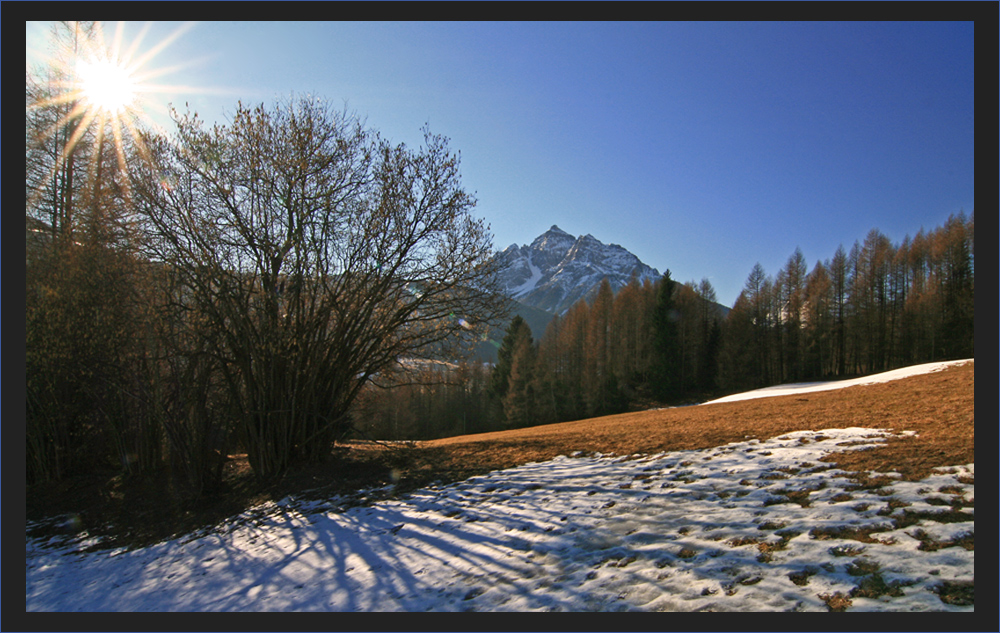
876,307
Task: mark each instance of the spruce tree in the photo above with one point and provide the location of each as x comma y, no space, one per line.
520,402
666,342
517,330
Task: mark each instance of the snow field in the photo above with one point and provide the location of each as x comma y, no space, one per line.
810,387
749,526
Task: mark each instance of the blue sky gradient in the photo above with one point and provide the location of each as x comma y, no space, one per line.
700,147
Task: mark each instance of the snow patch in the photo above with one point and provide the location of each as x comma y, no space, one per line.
529,285
810,387
748,526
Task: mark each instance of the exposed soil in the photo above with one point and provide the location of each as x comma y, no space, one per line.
939,407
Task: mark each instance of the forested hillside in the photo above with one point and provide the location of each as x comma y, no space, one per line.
874,307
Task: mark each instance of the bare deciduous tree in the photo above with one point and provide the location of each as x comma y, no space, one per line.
318,255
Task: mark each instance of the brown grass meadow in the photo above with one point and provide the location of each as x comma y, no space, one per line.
939,407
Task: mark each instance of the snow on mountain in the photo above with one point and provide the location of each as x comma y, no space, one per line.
557,269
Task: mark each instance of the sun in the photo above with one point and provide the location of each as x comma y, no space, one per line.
107,84
94,89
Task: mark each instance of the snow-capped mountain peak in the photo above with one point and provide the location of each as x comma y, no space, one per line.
557,269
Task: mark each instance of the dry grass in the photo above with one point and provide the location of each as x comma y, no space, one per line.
939,407
801,577
836,602
960,593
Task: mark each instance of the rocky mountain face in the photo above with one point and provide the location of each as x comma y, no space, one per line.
557,270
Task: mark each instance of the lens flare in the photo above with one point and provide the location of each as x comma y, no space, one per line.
107,85
92,85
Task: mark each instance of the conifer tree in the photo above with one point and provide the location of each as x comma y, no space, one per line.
500,378
839,282
817,350
84,309
573,358
738,364
598,376
958,287
666,345
711,333
519,404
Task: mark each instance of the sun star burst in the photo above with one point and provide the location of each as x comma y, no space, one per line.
107,84
101,86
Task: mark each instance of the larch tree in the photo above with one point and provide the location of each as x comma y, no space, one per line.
84,309
757,290
791,288
569,362
600,382
958,283
627,317
839,283
818,313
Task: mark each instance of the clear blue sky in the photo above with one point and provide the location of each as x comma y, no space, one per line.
702,148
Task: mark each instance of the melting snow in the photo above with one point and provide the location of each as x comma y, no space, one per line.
749,526
807,387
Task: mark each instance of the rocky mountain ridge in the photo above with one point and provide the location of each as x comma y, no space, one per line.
557,269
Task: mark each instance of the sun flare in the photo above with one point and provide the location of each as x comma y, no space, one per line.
96,85
107,85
